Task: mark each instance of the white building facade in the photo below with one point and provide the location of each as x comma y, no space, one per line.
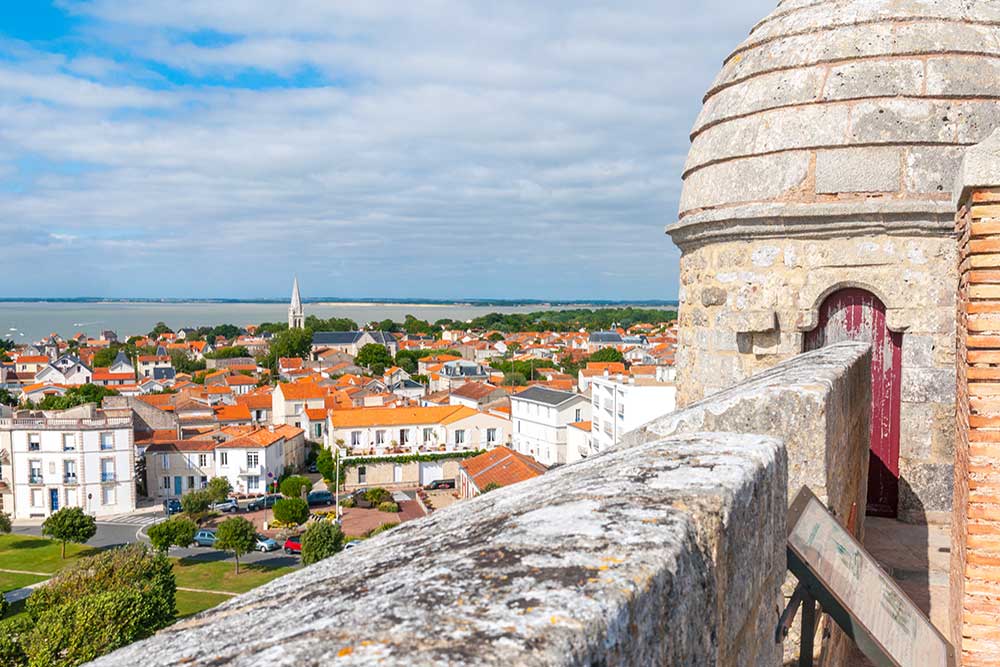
621,404
73,458
540,417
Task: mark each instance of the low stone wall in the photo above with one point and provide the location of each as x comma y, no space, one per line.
819,404
665,553
668,550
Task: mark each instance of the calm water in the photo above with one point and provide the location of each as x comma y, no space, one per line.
37,320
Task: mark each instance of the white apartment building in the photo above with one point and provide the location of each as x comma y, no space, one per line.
249,460
622,404
540,417
71,458
381,431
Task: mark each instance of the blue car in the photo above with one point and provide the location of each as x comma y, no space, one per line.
205,538
171,506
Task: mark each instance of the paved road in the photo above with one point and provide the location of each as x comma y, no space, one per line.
117,534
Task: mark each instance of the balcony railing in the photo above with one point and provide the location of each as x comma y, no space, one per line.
63,424
35,479
107,476
69,479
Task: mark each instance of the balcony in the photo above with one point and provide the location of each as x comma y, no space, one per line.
43,424
69,478
251,471
35,479
107,476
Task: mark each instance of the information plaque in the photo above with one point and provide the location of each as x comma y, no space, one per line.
857,593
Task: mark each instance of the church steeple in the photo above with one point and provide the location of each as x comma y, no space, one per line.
296,315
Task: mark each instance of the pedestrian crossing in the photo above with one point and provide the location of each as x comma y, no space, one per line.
144,519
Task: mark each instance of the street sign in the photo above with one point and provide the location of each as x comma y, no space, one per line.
857,593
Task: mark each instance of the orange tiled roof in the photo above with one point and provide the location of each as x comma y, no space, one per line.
501,466
232,413
363,417
299,391
583,426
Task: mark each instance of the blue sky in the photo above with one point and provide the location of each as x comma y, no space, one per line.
432,148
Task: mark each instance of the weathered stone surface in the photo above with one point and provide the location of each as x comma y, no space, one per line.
932,169
925,490
713,296
928,385
857,170
818,401
980,168
889,77
746,180
669,552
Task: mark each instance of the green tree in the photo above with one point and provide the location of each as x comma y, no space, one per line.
607,355
289,343
218,489
237,535
291,510
196,501
229,353
99,604
160,328
182,363
178,532
492,486
69,524
374,357
86,393
291,487
514,380
321,540
14,634
325,464
388,506
7,398
5,525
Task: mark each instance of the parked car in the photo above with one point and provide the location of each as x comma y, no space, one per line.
171,506
205,538
441,484
293,545
319,498
352,544
228,505
264,502
265,543
313,468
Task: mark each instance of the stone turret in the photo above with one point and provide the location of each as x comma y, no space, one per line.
823,160
296,313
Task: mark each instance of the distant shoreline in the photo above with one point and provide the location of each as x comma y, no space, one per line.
382,302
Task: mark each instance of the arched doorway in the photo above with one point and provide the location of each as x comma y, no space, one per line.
854,314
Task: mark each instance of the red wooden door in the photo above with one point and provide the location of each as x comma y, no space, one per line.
854,314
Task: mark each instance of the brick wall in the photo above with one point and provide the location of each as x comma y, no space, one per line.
975,568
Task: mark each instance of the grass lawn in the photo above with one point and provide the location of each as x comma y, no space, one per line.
190,603
10,581
219,575
37,554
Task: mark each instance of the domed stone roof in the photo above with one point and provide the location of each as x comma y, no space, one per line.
848,110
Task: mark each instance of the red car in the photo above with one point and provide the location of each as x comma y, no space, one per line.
293,545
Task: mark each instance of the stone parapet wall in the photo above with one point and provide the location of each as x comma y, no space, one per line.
669,549
975,565
818,404
667,553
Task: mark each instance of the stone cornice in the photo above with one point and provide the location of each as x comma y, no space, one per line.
814,221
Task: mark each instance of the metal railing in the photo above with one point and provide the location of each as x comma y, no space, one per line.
35,479
69,479
107,476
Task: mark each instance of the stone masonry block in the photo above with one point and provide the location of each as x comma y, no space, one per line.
857,170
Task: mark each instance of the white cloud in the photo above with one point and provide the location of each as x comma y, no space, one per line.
385,148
